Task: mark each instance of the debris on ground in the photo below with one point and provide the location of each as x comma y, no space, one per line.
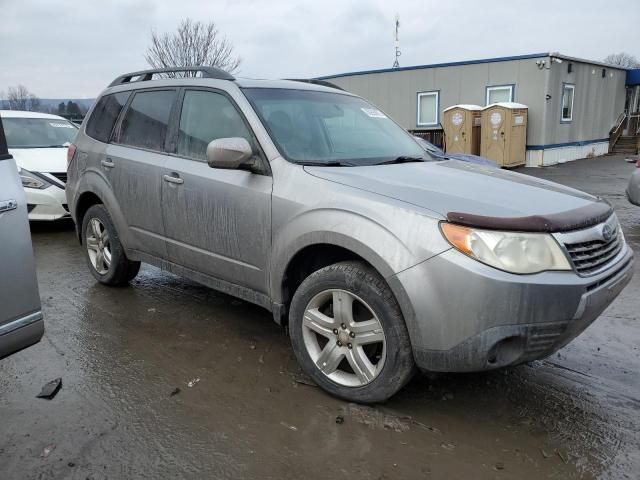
563,456
47,450
175,391
448,445
302,378
339,419
544,453
50,389
192,382
290,427
499,466
71,464
252,346
151,310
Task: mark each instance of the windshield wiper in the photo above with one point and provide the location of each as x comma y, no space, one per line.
330,163
402,159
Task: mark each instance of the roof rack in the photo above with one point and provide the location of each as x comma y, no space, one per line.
323,83
144,75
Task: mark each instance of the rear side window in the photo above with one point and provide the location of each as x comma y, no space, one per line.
146,121
104,116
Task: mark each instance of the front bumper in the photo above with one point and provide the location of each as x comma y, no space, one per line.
21,333
466,316
47,204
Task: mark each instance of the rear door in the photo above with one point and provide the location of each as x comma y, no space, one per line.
134,163
217,221
21,321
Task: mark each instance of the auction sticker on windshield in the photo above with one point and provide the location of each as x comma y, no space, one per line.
61,125
373,112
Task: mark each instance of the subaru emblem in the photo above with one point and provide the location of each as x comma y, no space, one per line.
607,233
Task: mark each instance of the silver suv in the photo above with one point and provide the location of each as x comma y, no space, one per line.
312,203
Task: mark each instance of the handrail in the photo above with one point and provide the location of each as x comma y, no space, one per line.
616,130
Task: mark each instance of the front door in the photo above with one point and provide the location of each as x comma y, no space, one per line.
493,136
134,165
217,221
457,142
20,311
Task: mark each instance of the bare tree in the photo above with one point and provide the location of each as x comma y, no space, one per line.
622,59
192,44
19,98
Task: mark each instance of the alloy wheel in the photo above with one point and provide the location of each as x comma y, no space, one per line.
98,246
344,337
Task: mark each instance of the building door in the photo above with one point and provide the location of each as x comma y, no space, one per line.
457,140
493,141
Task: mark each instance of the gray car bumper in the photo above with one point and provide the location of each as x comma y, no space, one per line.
465,316
21,333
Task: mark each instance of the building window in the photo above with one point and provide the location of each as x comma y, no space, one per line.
499,93
428,109
567,102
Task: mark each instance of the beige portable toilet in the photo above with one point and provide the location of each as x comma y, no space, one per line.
462,129
504,133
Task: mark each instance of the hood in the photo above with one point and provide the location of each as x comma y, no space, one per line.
466,157
47,160
455,186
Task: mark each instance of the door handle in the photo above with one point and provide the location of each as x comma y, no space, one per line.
6,205
108,163
173,179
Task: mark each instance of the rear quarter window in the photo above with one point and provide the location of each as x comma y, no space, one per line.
104,116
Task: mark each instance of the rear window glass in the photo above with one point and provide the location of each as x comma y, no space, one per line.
105,114
146,120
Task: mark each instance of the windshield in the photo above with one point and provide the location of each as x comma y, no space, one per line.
330,128
38,132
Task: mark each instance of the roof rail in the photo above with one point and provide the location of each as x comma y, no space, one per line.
144,75
323,83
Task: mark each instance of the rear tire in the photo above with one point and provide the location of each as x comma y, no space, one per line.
103,251
348,333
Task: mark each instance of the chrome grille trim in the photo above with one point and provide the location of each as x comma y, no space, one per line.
589,251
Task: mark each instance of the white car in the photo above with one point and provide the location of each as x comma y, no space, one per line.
38,143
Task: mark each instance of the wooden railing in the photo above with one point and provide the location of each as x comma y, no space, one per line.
435,136
617,129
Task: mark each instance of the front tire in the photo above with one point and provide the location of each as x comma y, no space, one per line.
103,251
348,333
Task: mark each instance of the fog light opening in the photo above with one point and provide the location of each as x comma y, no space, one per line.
506,351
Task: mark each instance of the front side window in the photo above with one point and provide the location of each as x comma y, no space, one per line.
428,108
146,121
326,127
104,116
567,102
207,116
38,132
503,93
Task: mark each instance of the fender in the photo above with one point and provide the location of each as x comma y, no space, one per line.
362,235
94,182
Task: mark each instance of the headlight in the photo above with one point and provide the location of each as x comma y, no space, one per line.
30,180
513,252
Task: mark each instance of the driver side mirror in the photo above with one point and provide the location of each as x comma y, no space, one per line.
228,152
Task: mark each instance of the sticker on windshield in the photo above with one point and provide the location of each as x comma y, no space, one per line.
60,125
373,112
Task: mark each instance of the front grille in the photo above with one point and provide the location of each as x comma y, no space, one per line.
589,257
62,176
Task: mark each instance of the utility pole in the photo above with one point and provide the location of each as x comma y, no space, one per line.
396,63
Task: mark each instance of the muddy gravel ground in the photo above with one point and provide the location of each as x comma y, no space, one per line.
121,352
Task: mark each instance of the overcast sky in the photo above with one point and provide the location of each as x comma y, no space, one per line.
73,49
